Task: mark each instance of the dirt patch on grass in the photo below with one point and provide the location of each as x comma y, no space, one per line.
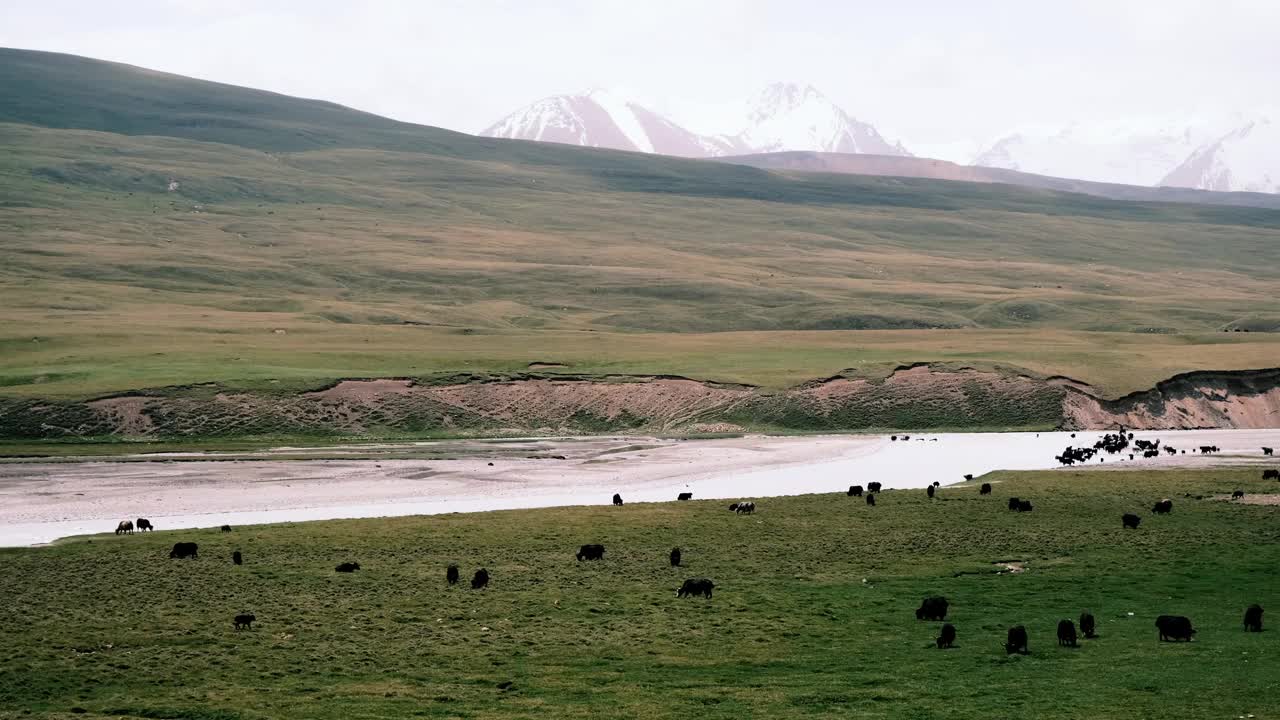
1254,499
362,390
127,414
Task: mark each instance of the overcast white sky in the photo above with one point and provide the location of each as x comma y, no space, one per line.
929,72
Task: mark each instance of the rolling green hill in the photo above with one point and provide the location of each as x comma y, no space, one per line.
305,241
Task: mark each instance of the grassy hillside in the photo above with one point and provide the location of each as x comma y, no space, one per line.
812,615
306,241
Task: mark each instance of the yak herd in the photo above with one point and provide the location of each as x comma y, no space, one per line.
1171,628
1125,443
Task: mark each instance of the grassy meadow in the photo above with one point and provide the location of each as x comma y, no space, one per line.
306,242
812,615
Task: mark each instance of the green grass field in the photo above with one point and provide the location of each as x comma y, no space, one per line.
308,242
812,616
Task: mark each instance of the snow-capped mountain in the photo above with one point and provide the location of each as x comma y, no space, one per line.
1246,159
606,120
1126,153
789,116
785,116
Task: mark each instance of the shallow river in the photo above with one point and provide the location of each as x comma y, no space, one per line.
41,502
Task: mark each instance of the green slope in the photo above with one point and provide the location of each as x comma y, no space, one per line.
812,614
308,241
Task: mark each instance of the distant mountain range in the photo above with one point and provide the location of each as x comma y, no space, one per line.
791,117
784,116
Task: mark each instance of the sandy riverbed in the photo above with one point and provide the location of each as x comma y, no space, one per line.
40,502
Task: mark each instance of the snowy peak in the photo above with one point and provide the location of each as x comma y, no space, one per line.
784,116
1126,153
791,116
1245,160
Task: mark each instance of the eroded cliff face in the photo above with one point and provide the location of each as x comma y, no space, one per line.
917,397
1225,399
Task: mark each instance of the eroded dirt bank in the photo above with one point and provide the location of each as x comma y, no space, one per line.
917,397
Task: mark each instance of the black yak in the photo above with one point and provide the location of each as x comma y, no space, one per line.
144,525
855,491
929,491
932,608
237,558
480,580
183,550
1253,619
591,552
347,567
1174,627
1088,625
244,622
985,489
873,487
451,575
948,636
1163,507
1016,641
871,500
125,527
685,496
1066,633
675,557
1130,520
617,499
694,587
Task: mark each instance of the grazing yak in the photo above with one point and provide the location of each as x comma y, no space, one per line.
1066,633
226,528
144,525
985,489
1130,521
947,638
1025,506
929,491
1088,625
451,575
1174,627
237,558
694,587
1163,507
125,527
871,500
617,499
932,608
685,496
873,487
347,567
968,477
1237,495
1271,474
1016,641
591,552
480,580
183,550
244,621
1253,619
675,557
1014,503
855,491
746,508
1268,451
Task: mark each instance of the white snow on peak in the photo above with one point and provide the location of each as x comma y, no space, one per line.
1128,151
794,116
1247,159
622,112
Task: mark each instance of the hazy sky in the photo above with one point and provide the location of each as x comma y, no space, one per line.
932,73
